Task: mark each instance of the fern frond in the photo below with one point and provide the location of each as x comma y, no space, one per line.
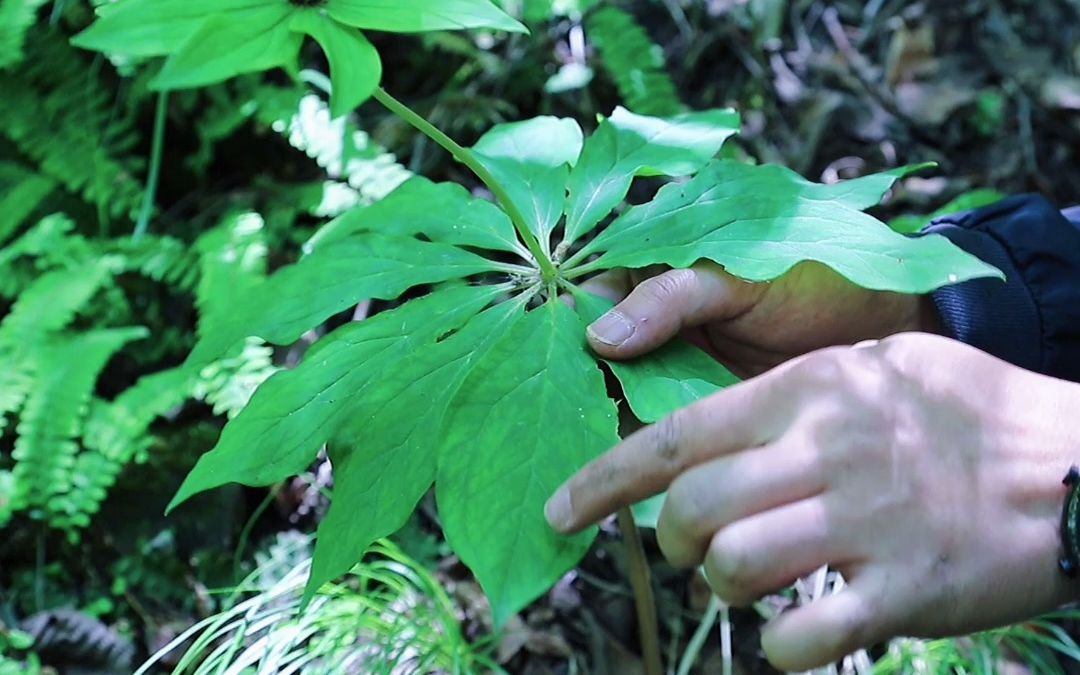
228,384
66,371
232,260
51,303
164,259
116,435
635,62
59,114
7,497
21,193
16,18
16,380
346,153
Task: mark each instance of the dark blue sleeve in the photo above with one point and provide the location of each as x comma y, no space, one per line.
1032,319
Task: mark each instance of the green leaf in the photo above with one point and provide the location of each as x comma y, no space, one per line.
330,280
531,160
226,45
443,212
154,27
669,378
422,15
532,412
627,145
759,223
385,460
355,68
858,193
295,412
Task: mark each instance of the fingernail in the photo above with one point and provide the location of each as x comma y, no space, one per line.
612,329
557,511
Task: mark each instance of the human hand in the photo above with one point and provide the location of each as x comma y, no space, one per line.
926,471
750,327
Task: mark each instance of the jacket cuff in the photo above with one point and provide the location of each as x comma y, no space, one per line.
1032,319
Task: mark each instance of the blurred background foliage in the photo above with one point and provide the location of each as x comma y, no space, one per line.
103,285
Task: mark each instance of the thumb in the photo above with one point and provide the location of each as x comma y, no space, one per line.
661,306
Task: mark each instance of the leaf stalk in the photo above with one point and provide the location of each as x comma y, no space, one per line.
644,599
156,149
547,269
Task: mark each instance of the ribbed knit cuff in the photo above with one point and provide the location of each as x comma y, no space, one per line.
1032,319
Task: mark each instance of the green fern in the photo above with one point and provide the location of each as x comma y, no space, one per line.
66,371
16,18
115,436
51,303
59,114
233,260
21,193
635,63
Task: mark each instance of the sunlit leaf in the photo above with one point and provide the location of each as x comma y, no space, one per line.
627,145
227,45
443,212
330,280
668,378
154,27
504,454
759,223
532,161
355,68
398,424
422,15
296,411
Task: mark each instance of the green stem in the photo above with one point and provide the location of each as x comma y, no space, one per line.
467,158
149,196
581,270
693,649
644,600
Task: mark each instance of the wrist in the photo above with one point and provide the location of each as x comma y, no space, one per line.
1046,444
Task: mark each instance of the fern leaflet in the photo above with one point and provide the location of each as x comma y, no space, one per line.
635,62
66,372
16,18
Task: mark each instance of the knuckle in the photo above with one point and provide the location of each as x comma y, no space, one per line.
668,438
854,630
731,567
682,512
669,286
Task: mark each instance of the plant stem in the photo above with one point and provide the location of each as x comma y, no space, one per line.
693,650
581,270
149,196
463,155
644,600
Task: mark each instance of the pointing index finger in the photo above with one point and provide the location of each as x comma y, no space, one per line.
646,462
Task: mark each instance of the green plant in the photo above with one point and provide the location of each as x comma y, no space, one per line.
1038,644
475,377
387,615
69,444
486,386
209,41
